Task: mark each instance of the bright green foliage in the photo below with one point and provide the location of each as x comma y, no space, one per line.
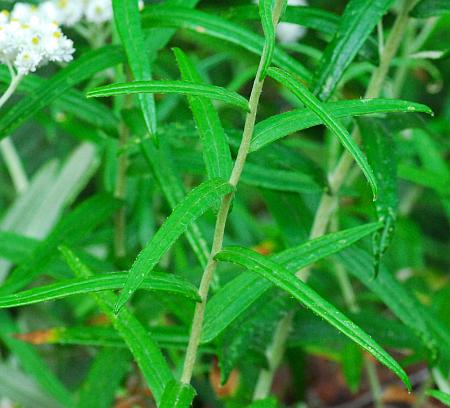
358,21
187,211
185,207
315,106
282,278
440,396
216,152
171,87
128,24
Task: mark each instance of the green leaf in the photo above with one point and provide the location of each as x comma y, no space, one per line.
358,21
241,292
312,103
71,229
128,24
105,375
72,101
440,396
430,8
144,349
352,364
177,395
286,123
379,147
171,87
282,278
211,25
187,211
172,187
216,152
81,69
400,301
266,13
279,180
157,282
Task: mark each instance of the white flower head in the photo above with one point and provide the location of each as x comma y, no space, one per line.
290,33
29,44
27,61
69,12
99,11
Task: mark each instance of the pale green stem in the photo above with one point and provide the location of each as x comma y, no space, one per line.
197,323
442,383
9,153
374,383
328,202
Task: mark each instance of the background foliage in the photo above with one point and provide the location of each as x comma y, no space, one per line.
133,161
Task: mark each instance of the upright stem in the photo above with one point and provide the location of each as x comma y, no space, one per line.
197,323
9,153
329,200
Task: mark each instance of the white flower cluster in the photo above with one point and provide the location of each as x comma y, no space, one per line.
27,44
66,12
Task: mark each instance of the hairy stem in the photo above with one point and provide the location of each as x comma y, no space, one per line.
197,323
329,201
8,151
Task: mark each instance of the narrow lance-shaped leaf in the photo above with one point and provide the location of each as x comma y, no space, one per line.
73,227
379,147
157,282
187,211
177,395
430,8
78,71
266,8
174,191
312,103
358,21
286,123
128,24
72,101
440,396
211,25
171,87
216,152
144,349
240,293
282,278
104,377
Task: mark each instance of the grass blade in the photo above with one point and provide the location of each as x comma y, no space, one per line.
187,211
78,71
157,282
282,278
312,103
171,87
128,24
144,349
240,293
284,124
216,152
358,21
